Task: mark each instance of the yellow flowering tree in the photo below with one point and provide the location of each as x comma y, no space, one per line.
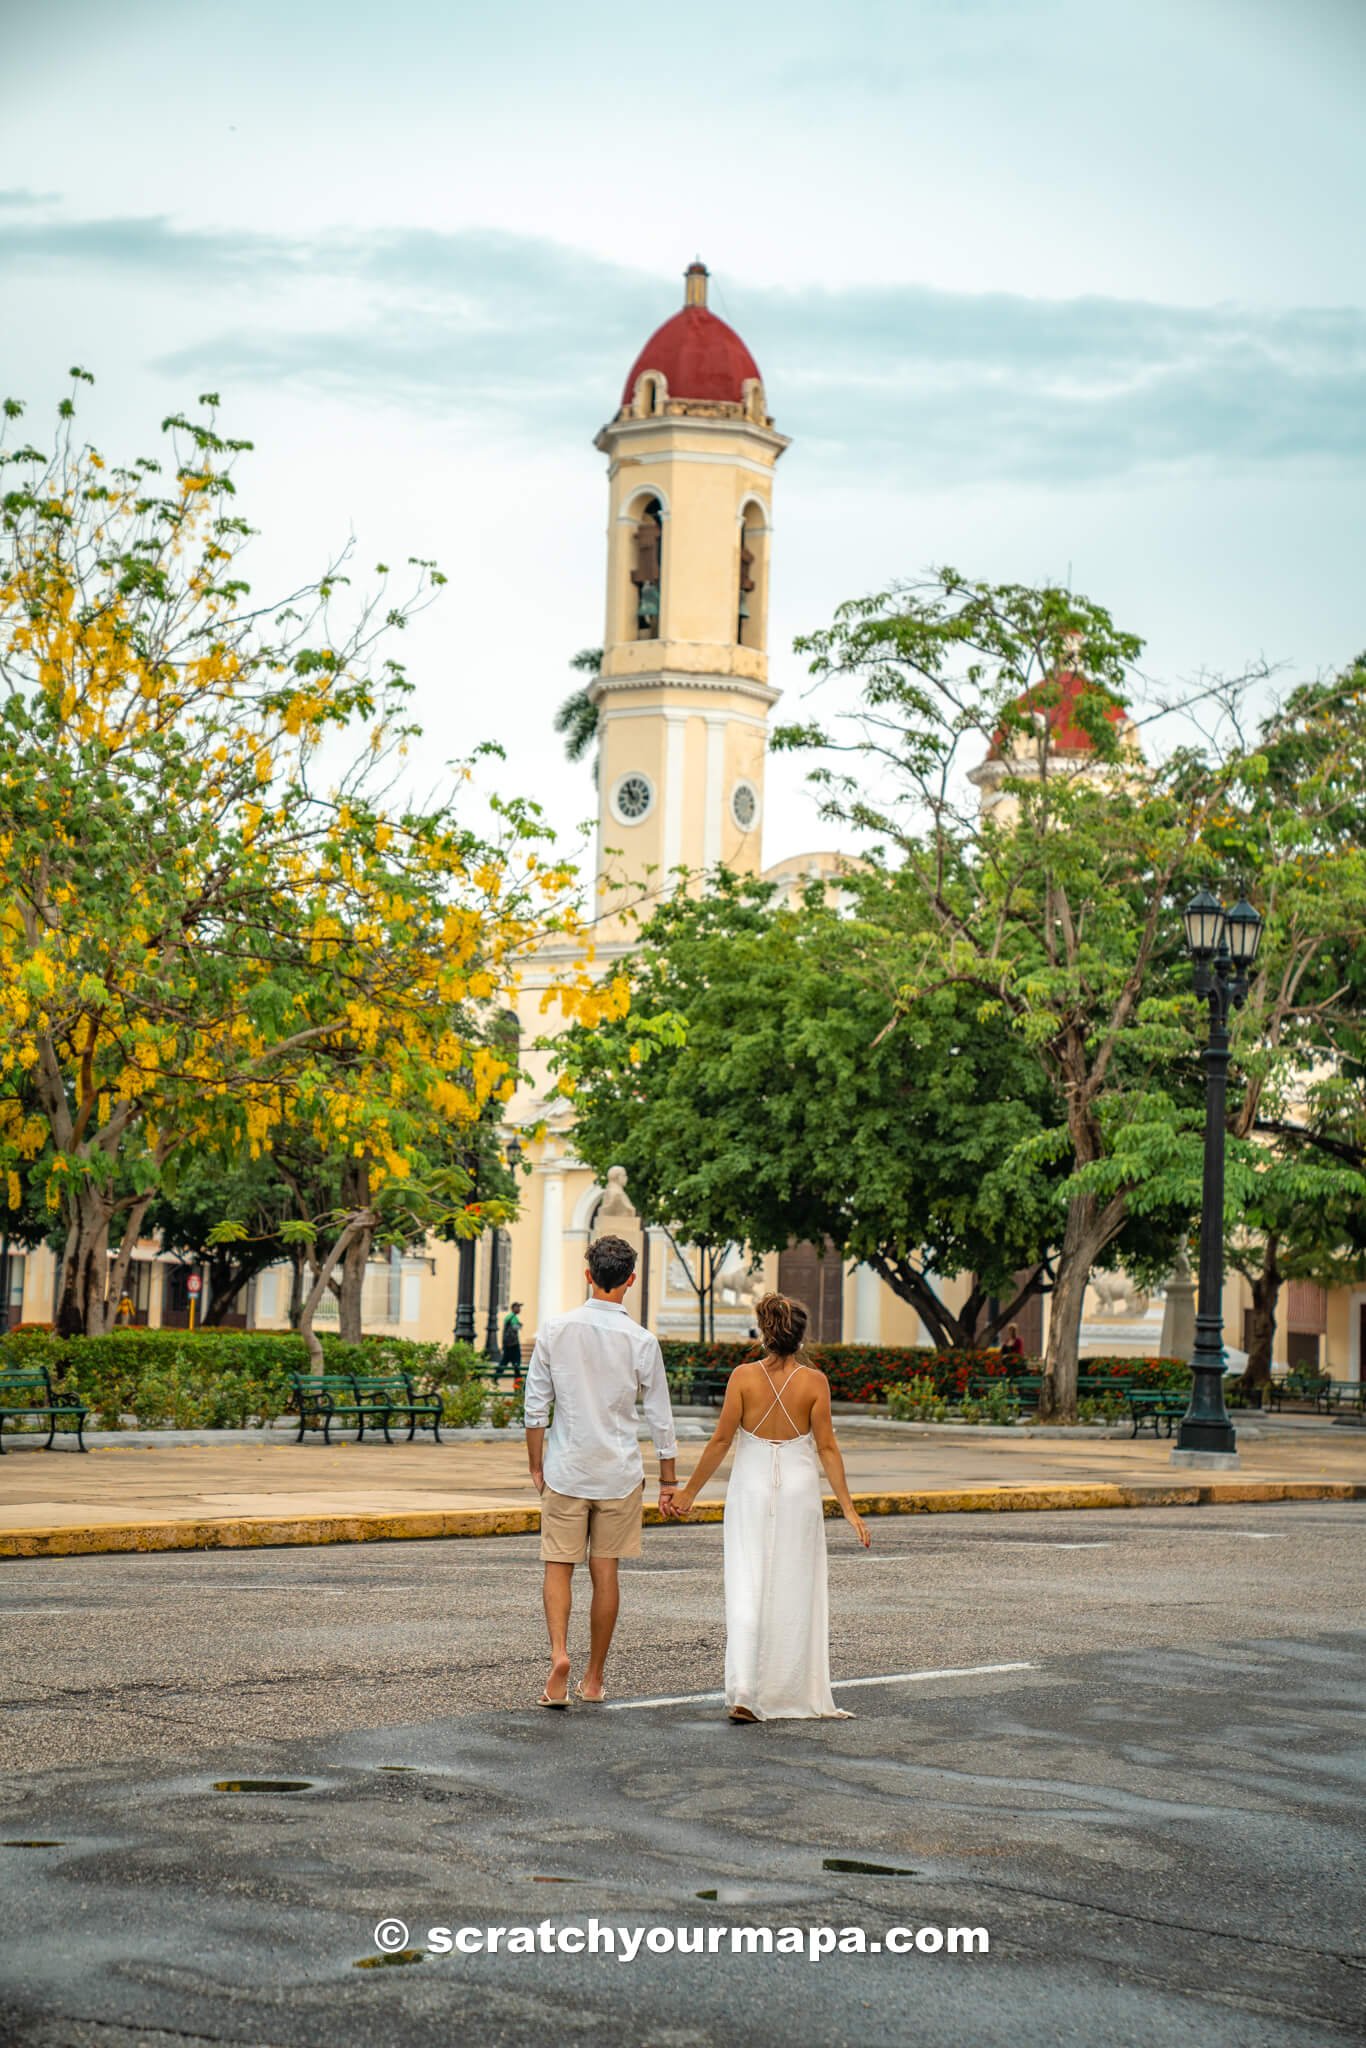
220,919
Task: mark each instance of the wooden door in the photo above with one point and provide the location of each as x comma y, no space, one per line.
818,1283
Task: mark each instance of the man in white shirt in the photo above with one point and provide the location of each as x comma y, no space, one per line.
593,1363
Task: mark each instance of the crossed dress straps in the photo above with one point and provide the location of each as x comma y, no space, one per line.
778,1402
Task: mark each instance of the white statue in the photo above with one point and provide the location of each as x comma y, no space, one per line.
739,1284
1118,1296
616,1209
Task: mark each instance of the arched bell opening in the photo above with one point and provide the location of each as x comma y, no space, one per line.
647,568
751,608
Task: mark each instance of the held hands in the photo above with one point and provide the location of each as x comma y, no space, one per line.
674,1503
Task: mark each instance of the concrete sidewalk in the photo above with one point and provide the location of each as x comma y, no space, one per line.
214,1492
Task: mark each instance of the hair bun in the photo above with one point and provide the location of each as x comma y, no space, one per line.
782,1323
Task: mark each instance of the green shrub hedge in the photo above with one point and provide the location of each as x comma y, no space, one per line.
231,1379
859,1372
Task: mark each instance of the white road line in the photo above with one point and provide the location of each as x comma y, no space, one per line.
694,1699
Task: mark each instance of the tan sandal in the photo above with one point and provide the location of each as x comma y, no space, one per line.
587,1698
558,1706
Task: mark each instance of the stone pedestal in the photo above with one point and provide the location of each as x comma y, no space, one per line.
1207,1461
1178,1315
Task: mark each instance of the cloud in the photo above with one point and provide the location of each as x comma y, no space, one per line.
19,195
510,333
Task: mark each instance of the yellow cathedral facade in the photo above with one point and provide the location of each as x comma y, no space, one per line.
683,701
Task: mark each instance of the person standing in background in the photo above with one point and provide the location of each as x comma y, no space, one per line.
512,1335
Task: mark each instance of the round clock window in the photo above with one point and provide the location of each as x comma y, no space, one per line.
744,805
633,799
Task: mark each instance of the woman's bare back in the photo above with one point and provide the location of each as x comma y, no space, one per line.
777,1402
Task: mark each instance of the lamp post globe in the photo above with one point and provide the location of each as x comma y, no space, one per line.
1243,931
1203,918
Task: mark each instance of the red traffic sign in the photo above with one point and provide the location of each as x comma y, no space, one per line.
193,1284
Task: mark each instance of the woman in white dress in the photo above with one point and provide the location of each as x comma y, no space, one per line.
777,1413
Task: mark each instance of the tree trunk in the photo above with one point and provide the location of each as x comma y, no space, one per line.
118,1277
1085,1238
350,1300
81,1305
351,1293
1266,1288
701,1294
298,1259
359,1223
948,1332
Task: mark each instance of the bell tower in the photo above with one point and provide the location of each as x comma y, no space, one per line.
683,695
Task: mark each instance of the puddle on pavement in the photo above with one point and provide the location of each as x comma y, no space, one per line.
402,1955
849,1866
21,1844
263,1785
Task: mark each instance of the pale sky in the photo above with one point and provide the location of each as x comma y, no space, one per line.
1037,287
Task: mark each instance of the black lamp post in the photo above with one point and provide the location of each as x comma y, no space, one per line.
493,1351
1223,945
464,1292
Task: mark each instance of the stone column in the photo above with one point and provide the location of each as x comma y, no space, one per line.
550,1287
867,1306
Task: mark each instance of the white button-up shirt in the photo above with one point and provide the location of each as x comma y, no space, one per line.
593,1363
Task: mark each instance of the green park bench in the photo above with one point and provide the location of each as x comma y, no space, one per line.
1155,1409
1098,1384
1313,1387
707,1387
323,1398
30,1392
379,1396
1347,1394
1025,1386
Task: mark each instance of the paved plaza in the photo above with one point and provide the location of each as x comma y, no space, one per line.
1138,1768
213,1479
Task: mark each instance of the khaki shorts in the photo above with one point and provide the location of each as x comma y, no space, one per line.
573,1528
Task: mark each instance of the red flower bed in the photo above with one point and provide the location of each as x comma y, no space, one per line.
859,1372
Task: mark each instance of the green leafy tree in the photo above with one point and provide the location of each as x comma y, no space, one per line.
755,1096
199,1191
1055,906
1059,903
1297,823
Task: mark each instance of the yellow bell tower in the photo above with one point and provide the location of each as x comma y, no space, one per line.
683,695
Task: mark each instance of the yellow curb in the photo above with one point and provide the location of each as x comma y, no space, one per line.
256,1532
423,1525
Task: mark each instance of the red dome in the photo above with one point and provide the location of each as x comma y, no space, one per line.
1057,698
697,354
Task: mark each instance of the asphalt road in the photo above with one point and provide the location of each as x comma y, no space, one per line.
1157,1819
